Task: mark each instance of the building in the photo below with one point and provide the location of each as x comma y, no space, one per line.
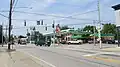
117,14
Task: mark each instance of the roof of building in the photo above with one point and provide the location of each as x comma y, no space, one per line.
116,7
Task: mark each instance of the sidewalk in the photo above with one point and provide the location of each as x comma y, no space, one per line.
91,47
117,49
17,59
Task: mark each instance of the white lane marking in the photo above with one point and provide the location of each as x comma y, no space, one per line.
90,55
101,53
40,59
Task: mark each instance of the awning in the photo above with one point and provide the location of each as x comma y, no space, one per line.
78,37
103,35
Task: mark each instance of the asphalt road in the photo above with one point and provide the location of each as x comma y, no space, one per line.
58,57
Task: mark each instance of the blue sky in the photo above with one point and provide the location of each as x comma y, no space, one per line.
59,8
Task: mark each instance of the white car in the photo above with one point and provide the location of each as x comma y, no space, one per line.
23,41
75,42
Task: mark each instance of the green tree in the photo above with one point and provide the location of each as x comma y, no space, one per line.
109,29
64,27
28,34
89,29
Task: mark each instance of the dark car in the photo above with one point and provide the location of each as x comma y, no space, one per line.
40,43
63,42
92,41
47,43
109,41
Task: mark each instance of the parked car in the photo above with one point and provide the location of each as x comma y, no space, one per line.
92,41
63,42
109,41
75,42
47,43
116,41
40,43
23,41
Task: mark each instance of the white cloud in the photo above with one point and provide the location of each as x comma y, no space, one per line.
51,1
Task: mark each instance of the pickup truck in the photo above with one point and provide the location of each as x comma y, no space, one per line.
75,42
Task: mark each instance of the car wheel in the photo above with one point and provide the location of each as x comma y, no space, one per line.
69,43
80,43
107,42
40,45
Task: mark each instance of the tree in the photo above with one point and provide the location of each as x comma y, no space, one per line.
64,27
38,35
89,29
109,29
28,34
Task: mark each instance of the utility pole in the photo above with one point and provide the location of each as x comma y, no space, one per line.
94,32
54,32
2,34
10,15
99,24
6,34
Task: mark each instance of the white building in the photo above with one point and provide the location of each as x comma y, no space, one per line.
117,14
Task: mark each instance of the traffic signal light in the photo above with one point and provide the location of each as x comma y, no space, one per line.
38,22
53,26
34,28
46,28
41,22
24,22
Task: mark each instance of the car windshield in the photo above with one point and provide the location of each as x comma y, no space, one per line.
60,33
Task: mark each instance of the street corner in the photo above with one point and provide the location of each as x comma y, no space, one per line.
116,49
20,59
105,57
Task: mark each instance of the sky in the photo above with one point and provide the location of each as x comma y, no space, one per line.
78,12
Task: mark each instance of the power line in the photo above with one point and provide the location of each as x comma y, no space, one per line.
3,15
69,17
15,5
53,15
13,2
80,14
30,19
85,12
60,16
77,24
